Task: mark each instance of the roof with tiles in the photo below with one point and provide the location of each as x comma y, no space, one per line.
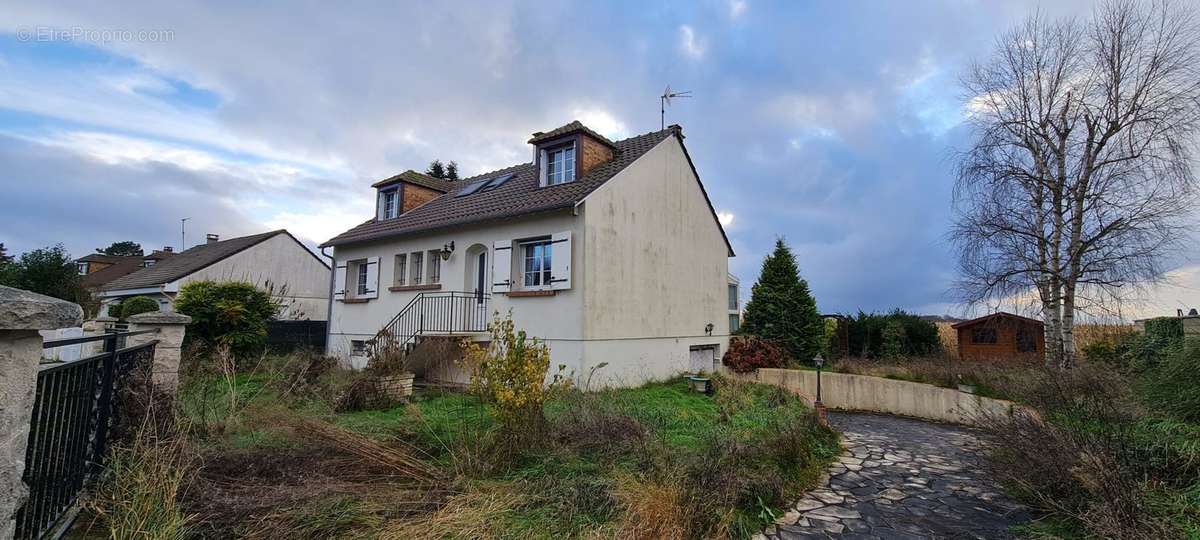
414,177
519,196
187,262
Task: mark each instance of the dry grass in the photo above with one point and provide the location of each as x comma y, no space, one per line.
949,338
652,510
405,460
477,513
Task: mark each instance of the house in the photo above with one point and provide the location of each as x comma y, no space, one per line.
98,269
274,260
1000,336
608,251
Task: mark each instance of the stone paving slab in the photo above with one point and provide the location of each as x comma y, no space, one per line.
903,478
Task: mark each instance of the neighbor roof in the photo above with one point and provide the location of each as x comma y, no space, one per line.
414,177
520,196
997,315
110,259
187,262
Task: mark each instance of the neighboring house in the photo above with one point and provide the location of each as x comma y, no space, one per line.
610,252
1000,336
274,260
98,269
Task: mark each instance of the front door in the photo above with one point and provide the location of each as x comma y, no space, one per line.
480,289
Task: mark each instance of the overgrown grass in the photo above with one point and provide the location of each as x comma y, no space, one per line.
657,461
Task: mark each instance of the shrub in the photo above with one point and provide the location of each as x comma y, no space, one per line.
136,305
510,373
232,314
1174,386
915,336
748,353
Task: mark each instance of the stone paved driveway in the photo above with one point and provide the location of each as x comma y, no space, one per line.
903,478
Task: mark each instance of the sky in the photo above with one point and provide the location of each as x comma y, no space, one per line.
834,125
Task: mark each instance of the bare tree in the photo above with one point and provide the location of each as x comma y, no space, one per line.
1079,181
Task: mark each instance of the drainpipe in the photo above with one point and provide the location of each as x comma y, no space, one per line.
329,303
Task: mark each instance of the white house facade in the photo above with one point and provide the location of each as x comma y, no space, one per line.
274,260
610,252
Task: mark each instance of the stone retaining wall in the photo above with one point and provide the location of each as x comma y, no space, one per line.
875,394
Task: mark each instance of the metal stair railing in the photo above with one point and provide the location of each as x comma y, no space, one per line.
442,312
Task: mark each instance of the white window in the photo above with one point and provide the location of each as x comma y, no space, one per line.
417,260
401,268
82,267
560,164
360,288
435,267
536,272
147,263
390,200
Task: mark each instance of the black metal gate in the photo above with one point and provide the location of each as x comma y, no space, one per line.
74,411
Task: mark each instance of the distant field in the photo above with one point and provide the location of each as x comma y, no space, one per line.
1085,334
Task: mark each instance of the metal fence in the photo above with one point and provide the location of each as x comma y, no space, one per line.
434,313
75,408
285,336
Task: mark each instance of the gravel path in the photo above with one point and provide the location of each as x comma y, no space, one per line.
903,478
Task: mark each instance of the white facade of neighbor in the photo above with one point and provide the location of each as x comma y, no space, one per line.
640,270
299,280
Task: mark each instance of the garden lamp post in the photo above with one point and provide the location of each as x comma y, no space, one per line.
818,406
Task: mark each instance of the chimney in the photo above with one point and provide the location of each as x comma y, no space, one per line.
211,238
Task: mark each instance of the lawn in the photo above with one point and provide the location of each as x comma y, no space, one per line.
656,461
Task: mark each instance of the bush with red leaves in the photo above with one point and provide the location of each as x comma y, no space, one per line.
748,353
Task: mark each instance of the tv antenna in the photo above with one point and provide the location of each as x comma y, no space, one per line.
664,100
183,234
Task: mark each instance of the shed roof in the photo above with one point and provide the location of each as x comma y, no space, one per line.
996,315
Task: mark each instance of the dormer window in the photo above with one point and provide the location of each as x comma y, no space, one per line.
569,153
390,201
560,164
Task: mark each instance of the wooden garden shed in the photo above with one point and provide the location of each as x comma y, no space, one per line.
1000,336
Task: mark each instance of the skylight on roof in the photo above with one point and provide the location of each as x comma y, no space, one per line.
487,184
472,187
498,181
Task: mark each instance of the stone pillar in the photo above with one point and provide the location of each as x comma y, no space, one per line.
167,353
95,327
22,314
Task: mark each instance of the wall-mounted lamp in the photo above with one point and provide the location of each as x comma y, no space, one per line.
708,328
447,249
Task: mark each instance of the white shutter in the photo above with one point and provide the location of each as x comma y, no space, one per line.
501,266
339,282
372,277
380,211
560,261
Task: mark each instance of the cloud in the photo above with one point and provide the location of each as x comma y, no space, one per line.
691,46
725,218
602,121
830,126
736,8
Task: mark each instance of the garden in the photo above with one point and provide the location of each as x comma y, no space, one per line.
261,445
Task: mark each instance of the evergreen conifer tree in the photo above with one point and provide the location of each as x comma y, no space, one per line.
782,309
